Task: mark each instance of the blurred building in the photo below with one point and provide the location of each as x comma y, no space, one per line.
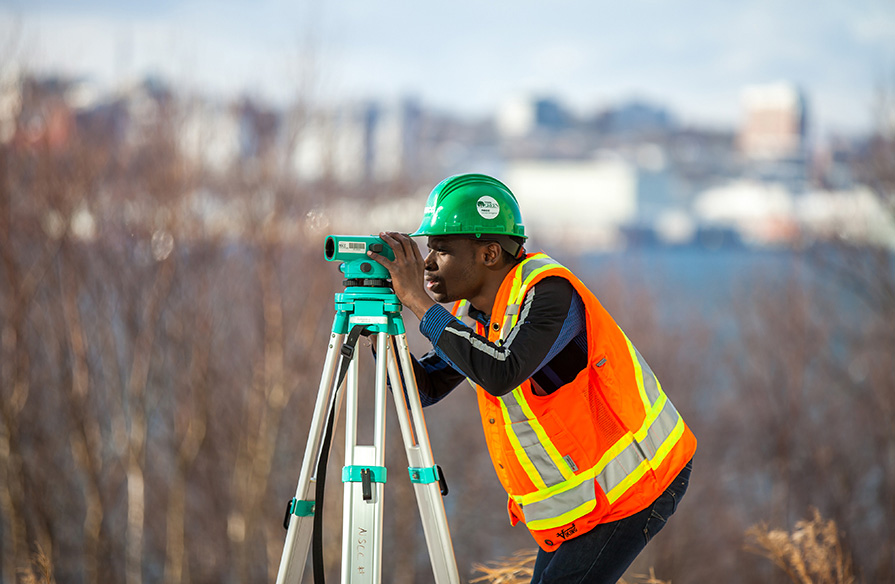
761,213
575,203
775,122
634,119
855,214
526,115
360,142
772,137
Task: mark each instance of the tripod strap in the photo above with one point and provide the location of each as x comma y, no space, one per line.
347,351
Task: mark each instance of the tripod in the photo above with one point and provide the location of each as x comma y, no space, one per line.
369,308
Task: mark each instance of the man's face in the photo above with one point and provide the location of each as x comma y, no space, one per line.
453,269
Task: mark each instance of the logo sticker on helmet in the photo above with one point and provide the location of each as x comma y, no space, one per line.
488,207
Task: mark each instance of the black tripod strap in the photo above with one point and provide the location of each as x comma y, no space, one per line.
317,553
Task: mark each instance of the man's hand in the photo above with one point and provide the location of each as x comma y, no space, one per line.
407,272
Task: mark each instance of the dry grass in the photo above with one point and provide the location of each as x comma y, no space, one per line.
811,554
643,579
40,571
518,568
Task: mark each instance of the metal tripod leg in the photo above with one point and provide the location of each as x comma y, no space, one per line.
364,472
362,529
423,471
364,476
301,526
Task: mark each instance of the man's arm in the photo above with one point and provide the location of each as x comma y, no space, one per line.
549,320
435,378
544,328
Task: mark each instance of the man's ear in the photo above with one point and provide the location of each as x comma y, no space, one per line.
491,254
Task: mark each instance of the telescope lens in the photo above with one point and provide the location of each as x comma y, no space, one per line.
329,248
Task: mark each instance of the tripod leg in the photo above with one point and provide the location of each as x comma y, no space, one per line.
364,475
423,471
301,526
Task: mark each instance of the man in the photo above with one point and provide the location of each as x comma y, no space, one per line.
593,455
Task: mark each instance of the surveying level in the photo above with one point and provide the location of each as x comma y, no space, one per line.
368,306
357,267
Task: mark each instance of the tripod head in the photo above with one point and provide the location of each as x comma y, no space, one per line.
368,297
359,270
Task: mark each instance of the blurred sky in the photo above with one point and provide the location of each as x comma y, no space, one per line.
466,56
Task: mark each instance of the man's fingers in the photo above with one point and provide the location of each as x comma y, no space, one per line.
390,241
411,249
395,241
383,260
400,243
416,251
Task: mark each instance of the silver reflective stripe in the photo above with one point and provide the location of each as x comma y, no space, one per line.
538,456
560,503
636,452
526,308
528,267
620,467
660,430
536,264
500,355
531,444
649,379
514,410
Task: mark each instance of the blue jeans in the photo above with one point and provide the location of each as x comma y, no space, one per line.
604,553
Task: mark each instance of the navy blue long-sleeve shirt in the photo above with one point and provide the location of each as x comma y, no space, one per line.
548,345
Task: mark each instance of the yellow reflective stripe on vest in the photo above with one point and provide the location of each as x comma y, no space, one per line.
647,383
525,273
517,442
460,308
565,507
511,315
536,453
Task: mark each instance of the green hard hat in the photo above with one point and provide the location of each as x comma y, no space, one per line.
474,204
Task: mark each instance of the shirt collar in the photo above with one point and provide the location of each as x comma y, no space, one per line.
478,315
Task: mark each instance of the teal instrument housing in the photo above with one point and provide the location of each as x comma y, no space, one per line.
352,250
368,298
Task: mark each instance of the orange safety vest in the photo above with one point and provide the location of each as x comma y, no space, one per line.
600,448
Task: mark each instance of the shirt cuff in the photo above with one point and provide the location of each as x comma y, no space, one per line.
434,321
